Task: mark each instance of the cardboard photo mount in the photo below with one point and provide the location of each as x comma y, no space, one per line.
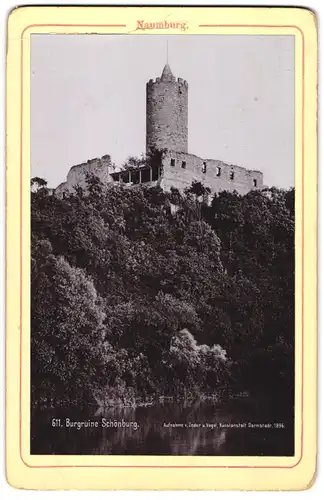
48,472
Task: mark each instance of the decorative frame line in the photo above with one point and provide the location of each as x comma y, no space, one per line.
302,256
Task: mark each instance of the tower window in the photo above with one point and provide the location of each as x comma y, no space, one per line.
218,172
183,164
204,168
255,183
172,162
232,176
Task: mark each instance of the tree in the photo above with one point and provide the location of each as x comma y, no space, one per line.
198,189
118,261
37,183
196,367
67,330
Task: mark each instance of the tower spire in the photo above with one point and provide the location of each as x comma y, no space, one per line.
167,51
167,74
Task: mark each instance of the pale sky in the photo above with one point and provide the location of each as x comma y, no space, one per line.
88,99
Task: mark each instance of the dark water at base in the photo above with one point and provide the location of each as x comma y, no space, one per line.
169,428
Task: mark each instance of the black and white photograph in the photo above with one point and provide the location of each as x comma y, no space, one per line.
162,244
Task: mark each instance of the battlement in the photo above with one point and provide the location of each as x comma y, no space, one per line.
166,78
183,82
173,79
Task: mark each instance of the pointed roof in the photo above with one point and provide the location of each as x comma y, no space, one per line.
167,75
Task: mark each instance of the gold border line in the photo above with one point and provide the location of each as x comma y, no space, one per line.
302,279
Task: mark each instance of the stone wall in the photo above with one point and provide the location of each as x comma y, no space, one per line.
167,114
180,170
100,167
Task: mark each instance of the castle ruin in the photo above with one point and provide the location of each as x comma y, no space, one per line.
167,130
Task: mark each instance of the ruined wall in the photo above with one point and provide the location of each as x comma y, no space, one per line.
167,114
180,170
100,167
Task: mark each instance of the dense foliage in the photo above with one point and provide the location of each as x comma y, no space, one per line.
139,292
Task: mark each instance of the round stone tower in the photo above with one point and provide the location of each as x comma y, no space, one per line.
167,113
